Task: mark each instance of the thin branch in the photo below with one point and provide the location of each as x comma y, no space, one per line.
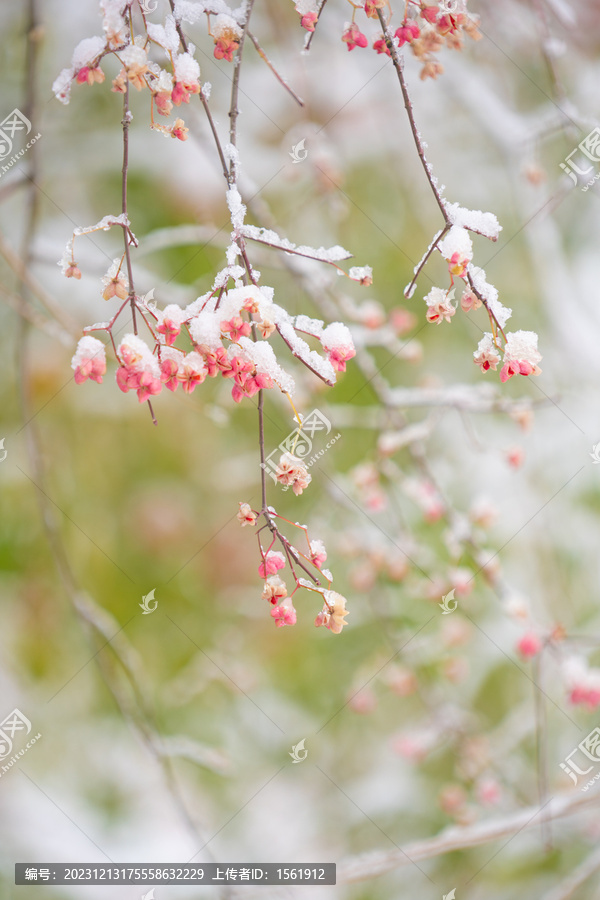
310,35
399,66
453,838
235,89
204,103
408,290
279,78
298,356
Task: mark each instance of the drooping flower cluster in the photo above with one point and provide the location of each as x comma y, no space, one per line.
426,28
516,350
275,590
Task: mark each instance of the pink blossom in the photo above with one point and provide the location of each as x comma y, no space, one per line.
236,327
353,37
380,45
215,360
163,102
371,7
89,75
439,306
284,615
318,553
487,355
449,23
170,328
192,372
430,14
246,515
271,564
168,374
584,695
225,47
89,360
309,21
407,33
457,264
340,356
148,385
275,589
529,645
469,301
181,92
179,130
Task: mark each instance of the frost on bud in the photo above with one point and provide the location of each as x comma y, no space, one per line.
292,473
521,355
337,342
439,306
246,515
89,360
487,355
73,271
362,274
275,589
318,553
227,35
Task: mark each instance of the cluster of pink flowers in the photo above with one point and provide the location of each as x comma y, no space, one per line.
425,28
89,360
516,350
521,355
275,590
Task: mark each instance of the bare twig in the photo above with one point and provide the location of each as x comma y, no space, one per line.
372,865
279,78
